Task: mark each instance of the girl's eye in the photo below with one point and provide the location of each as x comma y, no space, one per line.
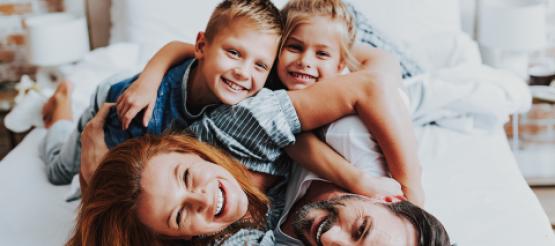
294,47
233,53
323,54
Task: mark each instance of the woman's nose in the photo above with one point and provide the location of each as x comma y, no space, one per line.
198,200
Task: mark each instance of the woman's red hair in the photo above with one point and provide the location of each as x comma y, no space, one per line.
108,216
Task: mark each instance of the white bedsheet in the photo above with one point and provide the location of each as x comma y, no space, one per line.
473,185
471,181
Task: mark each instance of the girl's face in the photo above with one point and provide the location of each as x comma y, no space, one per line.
312,52
183,196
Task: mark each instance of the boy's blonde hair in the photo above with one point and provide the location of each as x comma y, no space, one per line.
263,13
297,12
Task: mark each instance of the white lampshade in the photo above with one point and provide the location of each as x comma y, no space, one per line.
56,39
511,25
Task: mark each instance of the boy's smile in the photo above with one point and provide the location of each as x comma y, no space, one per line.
236,63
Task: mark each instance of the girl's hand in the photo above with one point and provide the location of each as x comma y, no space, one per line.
140,95
415,194
378,187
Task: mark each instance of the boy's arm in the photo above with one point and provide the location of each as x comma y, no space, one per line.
374,96
142,93
318,157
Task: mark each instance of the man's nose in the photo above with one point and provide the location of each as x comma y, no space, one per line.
335,236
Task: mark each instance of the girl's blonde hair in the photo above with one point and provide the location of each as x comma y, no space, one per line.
298,12
108,211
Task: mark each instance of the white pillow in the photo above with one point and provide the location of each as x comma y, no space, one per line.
151,24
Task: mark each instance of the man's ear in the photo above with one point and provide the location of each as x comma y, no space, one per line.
200,44
393,199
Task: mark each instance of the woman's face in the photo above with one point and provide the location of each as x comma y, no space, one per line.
312,52
184,195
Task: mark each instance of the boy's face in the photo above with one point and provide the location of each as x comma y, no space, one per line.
236,63
310,53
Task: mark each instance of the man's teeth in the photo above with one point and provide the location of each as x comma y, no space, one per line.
303,76
220,201
319,231
233,86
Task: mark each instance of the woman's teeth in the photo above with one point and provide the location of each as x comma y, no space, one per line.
220,204
233,86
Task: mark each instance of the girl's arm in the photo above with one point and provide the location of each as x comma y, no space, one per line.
373,94
142,93
318,157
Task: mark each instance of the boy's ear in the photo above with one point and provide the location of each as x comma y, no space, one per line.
199,45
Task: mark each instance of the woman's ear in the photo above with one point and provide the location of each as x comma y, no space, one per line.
200,44
392,199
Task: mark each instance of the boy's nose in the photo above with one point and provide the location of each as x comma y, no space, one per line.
241,72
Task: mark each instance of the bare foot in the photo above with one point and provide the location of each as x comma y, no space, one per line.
58,106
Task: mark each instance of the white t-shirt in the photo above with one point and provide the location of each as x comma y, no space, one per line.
350,138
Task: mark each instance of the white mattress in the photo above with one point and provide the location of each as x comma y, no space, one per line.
472,184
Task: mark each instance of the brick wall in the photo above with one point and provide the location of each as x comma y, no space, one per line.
12,39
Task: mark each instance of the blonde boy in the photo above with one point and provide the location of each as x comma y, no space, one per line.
232,61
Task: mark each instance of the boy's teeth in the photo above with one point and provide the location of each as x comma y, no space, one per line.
233,85
220,201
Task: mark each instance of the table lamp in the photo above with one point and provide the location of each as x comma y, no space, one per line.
510,30
55,39
52,40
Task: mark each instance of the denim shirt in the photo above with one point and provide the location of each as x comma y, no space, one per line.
169,110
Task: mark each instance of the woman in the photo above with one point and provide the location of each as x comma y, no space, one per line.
131,187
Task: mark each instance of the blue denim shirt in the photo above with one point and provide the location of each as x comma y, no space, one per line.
169,108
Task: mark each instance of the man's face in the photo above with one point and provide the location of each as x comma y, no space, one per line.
352,220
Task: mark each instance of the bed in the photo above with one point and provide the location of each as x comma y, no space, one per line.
471,179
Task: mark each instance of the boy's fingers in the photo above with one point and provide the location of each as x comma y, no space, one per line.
148,114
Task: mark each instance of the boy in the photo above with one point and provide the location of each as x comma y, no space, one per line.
233,59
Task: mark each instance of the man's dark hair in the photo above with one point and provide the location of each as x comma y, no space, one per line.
431,231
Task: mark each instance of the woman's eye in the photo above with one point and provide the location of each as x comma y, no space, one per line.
185,176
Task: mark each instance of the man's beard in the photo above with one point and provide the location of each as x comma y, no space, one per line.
303,223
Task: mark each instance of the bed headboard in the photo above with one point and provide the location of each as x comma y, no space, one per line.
98,19
99,16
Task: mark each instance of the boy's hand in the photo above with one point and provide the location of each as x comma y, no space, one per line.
93,147
378,187
141,94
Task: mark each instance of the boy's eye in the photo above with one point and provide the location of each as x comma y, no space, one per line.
262,66
233,53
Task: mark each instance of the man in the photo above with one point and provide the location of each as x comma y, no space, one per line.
320,213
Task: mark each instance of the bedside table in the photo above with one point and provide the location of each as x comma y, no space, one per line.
535,152
7,96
